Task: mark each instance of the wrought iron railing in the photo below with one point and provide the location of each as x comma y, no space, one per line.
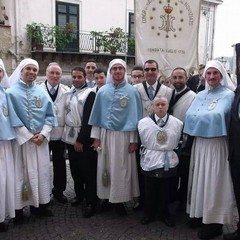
102,44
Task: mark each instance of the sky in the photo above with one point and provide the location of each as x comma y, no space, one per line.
227,31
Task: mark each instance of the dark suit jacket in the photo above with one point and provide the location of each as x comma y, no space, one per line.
234,131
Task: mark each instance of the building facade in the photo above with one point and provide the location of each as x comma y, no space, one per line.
87,17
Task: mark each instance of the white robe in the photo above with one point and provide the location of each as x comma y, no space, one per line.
120,164
32,167
210,189
7,198
181,106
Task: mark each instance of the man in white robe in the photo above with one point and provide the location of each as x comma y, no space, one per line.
180,102
115,114
32,116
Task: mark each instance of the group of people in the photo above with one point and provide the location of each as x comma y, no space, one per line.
141,141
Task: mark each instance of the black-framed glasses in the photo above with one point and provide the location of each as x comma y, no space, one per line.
148,69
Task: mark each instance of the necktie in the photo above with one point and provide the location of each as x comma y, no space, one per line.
90,84
160,122
52,91
150,92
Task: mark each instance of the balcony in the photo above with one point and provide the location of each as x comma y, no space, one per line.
82,46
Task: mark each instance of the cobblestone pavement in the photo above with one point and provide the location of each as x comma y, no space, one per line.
68,224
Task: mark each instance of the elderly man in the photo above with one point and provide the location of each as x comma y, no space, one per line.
115,114
57,93
32,116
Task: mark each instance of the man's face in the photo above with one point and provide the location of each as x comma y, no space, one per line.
78,79
89,68
151,73
137,76
117,72
179,79
29,73
160,107
53,75
100,79
213,77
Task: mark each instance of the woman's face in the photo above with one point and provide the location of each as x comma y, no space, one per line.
213,77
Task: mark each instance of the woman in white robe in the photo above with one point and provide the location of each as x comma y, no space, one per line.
210,191
7,196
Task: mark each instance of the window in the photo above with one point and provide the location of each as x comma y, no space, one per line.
69,13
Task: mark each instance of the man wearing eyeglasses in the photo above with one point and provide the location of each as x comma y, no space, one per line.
90,67
151,87
137,75
114,117
57,92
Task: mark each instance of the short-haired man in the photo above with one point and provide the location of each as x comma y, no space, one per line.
151,87
137,75
90,67
195,82
76,134
57,92
100,75
180,102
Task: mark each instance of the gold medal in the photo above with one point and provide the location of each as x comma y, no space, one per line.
123,102
212,105
162,136
5,111
38,102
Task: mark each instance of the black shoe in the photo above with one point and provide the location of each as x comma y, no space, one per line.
105,206
146,220
137,206
41,211
88,210
169,222
19,217
195,222
76,202
3,227
120,210
232,236
60,198
209,231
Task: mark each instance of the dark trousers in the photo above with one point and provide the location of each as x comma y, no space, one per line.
83,166
156,197
183,173
59,166
235,172
140,178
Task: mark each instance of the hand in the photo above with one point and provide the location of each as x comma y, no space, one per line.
132,147
38,139
78,147
96,145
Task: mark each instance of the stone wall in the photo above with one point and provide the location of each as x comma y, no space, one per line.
5,47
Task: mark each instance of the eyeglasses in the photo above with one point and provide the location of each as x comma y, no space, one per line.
148,69
137,76
117,68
